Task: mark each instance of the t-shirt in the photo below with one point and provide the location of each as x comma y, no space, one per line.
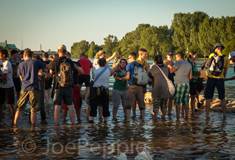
226,65
120,85
194,71
103,80
75,74
55,67
86,65
182,72
7,69
15,65
142,62
130,68
29,71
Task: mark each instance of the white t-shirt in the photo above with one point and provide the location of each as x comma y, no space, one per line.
6,68
103,80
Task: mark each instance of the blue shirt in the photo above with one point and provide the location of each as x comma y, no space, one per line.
130,68
29,71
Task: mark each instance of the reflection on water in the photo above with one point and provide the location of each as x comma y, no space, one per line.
183,139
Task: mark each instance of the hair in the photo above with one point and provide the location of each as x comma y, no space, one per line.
45,54
62,50
180,54
4,51
98,54
37,57
133,54
83,55
125,61
158,59
13,52
102,62
190,55
28,53
22,52
142,50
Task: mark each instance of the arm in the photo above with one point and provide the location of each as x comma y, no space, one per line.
225,71
79,69
51,73
47,66
127,77
110,58
227,79
21,78
171,69
3,77
147,70
190,75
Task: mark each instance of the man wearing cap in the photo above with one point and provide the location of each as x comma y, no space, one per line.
169,61
231,57
64,93
216,81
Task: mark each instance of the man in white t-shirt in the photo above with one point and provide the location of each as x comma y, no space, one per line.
6,85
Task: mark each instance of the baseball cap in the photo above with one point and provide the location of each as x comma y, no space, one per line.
231,54
218,45
68,53
62,47
170,53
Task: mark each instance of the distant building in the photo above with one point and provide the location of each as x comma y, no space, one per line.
8,46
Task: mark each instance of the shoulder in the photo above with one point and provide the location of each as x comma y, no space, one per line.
211,55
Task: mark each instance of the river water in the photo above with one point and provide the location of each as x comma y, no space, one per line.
196,138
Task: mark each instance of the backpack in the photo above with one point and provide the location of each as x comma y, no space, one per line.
140,76
216,64
65,77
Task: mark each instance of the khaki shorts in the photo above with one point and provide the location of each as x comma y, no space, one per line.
32,96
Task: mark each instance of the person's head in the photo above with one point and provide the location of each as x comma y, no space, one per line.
231,56
169,55
158,59
102,62
123,63
3,54
218,48
21,54
37,57
28,53
45,55
100,54
193,55
52,57
179,56
14,53
68,55
82,55
143,53
131,57
62,50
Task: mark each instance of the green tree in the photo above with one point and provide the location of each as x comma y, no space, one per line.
79,47
92,47
110,42
229,47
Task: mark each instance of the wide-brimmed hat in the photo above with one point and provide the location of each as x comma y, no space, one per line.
218,45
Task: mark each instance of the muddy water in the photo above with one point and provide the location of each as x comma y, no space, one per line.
171,139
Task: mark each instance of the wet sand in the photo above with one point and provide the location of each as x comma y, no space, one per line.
171,139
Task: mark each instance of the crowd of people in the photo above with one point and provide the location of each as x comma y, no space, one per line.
37,80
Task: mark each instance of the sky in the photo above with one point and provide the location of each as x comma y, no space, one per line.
54,22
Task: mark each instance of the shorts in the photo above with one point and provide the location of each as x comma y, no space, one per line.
103,99
76,98
17,84
193,90
117,96
33,97
199,86
132,92
144,89
160,102
84,79
210,87
65,94
7,95
182,94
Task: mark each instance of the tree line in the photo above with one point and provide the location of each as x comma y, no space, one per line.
188,32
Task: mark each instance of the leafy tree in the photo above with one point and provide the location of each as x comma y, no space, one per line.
110,42
78,48
229,47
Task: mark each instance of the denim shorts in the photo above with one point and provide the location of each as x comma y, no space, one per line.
210,87
65,94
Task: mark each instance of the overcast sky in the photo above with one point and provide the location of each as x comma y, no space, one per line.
55,22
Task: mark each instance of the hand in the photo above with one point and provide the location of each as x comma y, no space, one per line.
169,66
118,79
115,54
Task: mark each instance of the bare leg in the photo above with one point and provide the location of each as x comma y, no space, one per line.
155,110
65,112
105,119
71,113
142,113
133,106
87,92
177,111
78,113
11,106
115,110
100,111
169,105
57,114
88,110
92,118
17,117
33,117
208,102
163,113
186,107
128,113
192,105
223,103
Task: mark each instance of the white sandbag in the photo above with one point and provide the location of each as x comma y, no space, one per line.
122,156
144,155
